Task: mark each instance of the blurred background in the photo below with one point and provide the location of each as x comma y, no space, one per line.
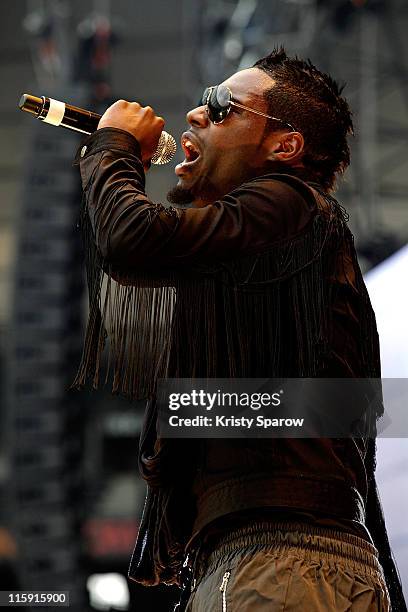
70,496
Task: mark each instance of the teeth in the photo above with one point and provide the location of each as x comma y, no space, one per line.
189,145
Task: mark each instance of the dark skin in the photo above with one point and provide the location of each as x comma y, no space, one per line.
229,153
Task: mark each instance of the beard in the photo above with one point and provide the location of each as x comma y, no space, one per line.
207,193
180,195
200,194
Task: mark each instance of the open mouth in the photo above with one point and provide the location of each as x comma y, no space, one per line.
191,151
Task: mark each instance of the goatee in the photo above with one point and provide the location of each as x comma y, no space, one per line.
179,195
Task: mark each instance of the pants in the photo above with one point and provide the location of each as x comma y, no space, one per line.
288,567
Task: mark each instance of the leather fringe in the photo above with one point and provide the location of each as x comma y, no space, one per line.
199,323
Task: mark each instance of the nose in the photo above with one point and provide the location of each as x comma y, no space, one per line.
198,117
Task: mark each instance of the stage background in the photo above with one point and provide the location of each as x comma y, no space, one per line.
70,495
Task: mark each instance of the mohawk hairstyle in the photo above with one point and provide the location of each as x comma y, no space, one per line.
311,101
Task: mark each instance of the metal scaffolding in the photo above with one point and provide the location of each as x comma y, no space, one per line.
361,43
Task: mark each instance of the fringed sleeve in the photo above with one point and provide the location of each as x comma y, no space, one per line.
148,263
132,315
244,287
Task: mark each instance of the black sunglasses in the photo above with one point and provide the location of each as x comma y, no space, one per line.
218,102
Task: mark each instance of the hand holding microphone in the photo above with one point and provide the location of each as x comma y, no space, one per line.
157,146
141,122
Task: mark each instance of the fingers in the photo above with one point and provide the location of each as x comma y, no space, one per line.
140,121
124,105
148,113
132,113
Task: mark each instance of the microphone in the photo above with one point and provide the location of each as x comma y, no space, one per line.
84,121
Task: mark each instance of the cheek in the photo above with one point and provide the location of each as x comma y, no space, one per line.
236,133
237,158
244,146
236,148
230,170
232,152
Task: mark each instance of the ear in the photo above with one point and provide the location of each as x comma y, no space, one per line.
285,146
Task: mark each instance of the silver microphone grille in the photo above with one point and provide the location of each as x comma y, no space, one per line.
166,149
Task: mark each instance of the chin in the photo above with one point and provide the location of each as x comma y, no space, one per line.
180,195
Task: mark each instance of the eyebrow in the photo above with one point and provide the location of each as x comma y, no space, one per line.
234,99
239,101
245,104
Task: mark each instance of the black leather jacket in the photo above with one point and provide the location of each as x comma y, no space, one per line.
311,318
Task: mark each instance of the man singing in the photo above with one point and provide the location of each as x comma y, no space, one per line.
258,278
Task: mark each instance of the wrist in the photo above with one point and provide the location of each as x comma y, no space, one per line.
109,138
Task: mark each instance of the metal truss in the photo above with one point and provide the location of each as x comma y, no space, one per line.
362,43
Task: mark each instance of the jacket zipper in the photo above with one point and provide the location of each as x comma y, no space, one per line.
223,589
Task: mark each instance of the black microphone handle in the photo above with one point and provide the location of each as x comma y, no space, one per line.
80,120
